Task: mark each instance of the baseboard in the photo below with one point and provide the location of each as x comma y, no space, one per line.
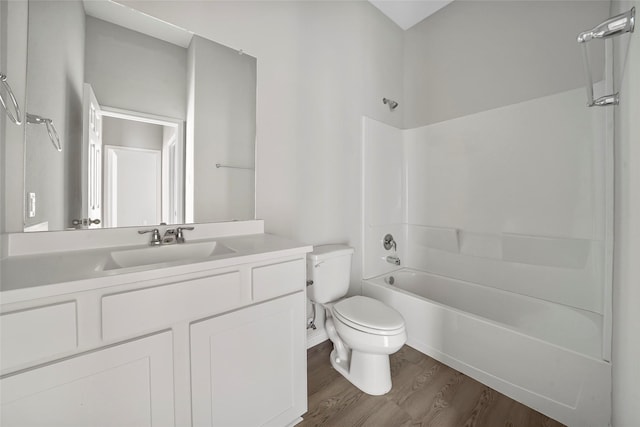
316,336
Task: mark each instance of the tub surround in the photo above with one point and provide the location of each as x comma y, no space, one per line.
144,336
513,202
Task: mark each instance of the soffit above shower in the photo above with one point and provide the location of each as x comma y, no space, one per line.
408,13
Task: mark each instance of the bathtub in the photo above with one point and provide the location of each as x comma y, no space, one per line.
543,354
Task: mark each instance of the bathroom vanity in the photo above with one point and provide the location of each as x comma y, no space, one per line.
207,339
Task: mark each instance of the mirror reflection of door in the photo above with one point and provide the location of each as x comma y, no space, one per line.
142,177
132,190
92,155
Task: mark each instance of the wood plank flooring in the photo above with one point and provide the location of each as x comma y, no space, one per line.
425,393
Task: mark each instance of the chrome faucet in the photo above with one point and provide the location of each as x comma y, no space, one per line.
169,236
155,236
393,259
389,243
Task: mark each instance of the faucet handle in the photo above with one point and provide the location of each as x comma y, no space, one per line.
179,235
154,231
388,242
155,237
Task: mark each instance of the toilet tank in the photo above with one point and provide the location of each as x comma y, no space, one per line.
329,267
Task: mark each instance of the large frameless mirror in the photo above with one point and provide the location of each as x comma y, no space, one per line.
132,121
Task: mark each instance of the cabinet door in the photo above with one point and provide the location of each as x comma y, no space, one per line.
130,384
249,367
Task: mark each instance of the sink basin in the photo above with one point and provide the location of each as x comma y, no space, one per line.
165,254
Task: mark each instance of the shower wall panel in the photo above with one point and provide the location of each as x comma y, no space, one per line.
512,198
384,195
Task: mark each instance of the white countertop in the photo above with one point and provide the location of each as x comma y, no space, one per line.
47,274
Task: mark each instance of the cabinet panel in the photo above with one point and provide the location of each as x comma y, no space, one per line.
253,358
129,384
143,310
30,335
272,280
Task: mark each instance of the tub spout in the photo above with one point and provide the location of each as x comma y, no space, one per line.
393,259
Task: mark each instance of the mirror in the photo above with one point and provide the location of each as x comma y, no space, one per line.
155,124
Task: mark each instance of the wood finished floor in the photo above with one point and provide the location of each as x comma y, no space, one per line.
425,393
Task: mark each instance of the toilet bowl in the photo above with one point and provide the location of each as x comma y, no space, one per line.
369,331
364,331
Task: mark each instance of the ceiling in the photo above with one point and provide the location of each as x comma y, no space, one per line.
407,13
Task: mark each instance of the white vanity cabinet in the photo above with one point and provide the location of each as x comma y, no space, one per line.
206,347
129,384
248,368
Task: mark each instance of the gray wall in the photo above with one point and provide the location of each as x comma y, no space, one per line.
224,101
54,81
130,133
472,56
13,61
4,27
626,273
133,71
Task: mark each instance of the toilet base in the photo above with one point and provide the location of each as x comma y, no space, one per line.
371,373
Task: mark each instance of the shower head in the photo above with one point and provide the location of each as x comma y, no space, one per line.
391,103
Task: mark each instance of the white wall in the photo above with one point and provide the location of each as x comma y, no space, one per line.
54,80
135,72
473,56
626,286
321,66
131,133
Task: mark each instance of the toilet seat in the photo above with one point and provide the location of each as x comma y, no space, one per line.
369,315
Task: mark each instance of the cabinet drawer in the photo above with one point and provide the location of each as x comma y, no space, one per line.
144,310
273,280
37,333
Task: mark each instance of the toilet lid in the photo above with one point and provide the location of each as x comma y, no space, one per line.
369,315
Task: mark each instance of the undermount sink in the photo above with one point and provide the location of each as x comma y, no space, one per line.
164,254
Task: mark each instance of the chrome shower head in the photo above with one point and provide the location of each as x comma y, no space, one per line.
391,103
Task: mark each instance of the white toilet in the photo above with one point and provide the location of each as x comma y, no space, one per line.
364,331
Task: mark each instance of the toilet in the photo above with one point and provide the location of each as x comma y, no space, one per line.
364,331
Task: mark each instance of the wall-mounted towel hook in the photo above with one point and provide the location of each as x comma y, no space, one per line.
51,130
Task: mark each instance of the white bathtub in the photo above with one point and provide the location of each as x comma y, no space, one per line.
540,353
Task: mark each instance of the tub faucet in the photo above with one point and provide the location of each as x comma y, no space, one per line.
393,259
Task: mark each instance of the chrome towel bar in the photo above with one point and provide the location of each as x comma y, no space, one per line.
615,26
218,165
